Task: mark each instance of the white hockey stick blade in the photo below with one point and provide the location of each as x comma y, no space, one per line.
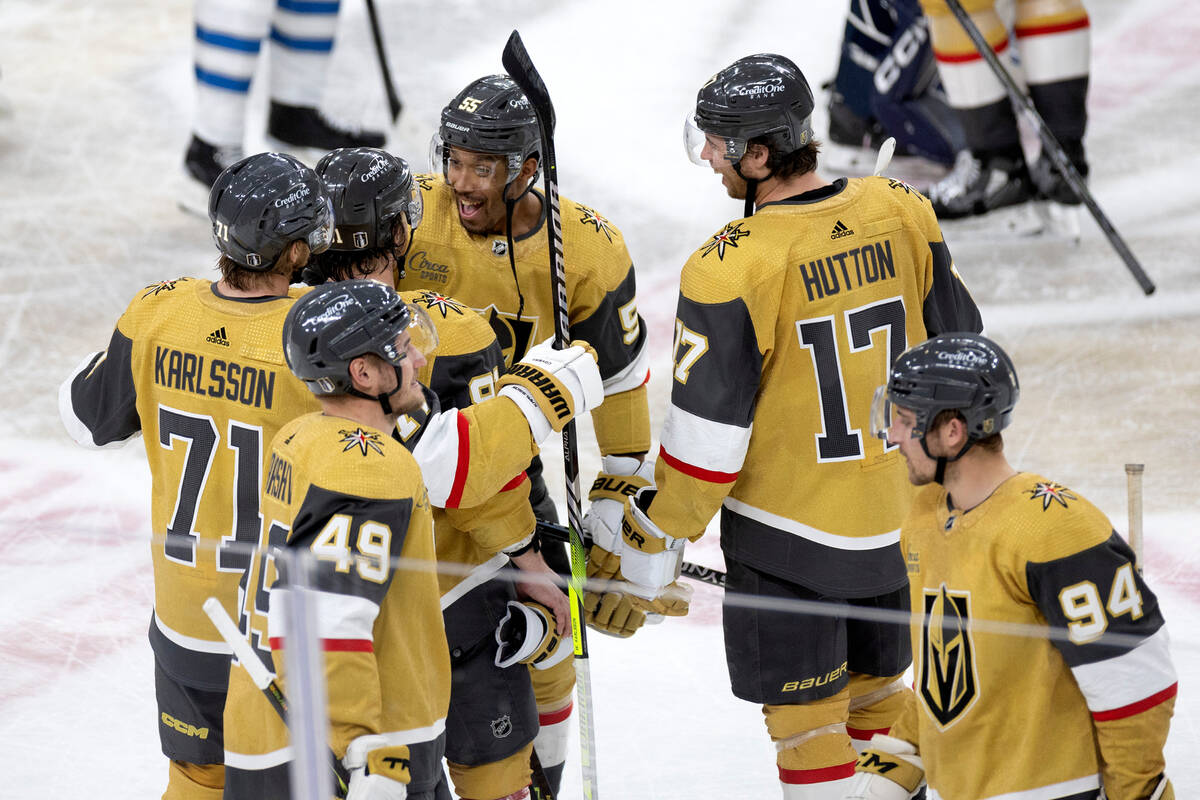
885,155
241,648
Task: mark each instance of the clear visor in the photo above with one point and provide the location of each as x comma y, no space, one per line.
695,140
440,154
891,422
437,154
415,211
421,330
320,237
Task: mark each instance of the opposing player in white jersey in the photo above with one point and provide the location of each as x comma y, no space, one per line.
786,318
229,37
1040,653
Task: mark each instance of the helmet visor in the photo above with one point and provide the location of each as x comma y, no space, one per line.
421,331
415,208
695,140
882,414
321,236
437,154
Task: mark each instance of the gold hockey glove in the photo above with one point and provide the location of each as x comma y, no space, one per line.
528,635
605,607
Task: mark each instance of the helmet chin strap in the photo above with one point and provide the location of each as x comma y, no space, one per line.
383,398
939,476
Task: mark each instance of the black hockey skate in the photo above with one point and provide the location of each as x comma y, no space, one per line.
1052,185
978,186
308,134
202,163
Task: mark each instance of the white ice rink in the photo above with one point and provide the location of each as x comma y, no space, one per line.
90,154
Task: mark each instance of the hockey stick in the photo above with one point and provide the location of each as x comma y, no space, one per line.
263,679
389,88
1133,485
1052,147
696,572
517,63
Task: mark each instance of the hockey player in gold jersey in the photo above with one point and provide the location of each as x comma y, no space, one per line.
786,319
1041,660
473,544
197,367
484,243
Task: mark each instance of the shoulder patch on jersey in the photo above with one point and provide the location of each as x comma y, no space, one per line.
364,440
1049,491
162,286
727,237
907,188
443,303
589,216
424,180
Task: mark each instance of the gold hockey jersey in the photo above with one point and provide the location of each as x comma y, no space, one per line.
600,287
787,322
352,497
1018,693
203,378
461,372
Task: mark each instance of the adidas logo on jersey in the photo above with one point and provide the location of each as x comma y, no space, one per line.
218,337
840,230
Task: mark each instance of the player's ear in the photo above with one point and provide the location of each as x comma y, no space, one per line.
360,373
754,161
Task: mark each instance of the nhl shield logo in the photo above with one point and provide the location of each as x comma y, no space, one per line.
502,727
947,681
499,247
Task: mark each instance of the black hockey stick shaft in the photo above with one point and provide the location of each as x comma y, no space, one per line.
541,784
520,67
715,577
389,88
263,679
1052,147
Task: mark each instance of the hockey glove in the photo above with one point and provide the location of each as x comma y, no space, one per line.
650,560
378,771
527,635
553,386
606,608
889,770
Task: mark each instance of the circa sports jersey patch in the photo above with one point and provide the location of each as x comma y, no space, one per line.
362,440
441,302
728,237
599,223
161,286
1049,491
947,682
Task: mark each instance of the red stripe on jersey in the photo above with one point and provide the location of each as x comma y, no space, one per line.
514,483
712,476
1138,707
647,378
865,735
1061,27
963,58
555,717
334,645
820,775
464,462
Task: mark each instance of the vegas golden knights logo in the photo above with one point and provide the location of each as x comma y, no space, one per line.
947,680
514,335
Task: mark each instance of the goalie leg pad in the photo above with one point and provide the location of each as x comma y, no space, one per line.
498,779
811,740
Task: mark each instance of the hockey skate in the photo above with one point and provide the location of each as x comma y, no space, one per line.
989,196
201,165
308,134
1058,203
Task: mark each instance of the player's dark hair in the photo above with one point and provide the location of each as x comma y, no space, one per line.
290,260
786,165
